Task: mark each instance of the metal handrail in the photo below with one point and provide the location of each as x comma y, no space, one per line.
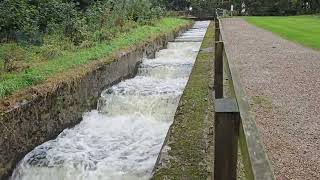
243,127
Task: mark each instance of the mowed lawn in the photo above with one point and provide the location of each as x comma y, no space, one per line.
301,29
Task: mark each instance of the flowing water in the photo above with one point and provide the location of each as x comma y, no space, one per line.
123,137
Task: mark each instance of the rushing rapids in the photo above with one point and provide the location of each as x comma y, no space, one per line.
123,137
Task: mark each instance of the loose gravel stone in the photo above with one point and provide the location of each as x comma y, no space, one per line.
282,80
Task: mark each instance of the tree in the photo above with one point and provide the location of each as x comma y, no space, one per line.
203,8
17,16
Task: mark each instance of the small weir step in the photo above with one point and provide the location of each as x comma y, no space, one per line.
189,40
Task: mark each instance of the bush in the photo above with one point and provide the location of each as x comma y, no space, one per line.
48,51
86,44
129,24
64,43
78,20
13,57
17,17
104,35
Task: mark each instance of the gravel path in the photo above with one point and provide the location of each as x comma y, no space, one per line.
282,80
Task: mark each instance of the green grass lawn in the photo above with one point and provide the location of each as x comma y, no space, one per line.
301,29
38,72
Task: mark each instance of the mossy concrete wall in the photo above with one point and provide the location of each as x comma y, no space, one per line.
187,152
42,112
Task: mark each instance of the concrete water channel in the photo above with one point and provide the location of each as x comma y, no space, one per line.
122,138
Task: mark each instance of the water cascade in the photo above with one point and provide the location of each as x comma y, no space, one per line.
122,138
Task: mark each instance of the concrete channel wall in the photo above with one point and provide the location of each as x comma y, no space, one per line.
187,152
32,122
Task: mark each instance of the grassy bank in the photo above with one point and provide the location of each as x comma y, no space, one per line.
38,69
190,136
301,29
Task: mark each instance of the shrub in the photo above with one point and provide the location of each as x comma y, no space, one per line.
78,20
104,35
17,17
49,51
129,24
86,44
13,57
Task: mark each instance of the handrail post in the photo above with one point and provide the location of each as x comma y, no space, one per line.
227,122
218,67
216,22
217,34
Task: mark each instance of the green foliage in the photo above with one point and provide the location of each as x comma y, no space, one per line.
177,5
278,7
39,71
78,20
54,14
49,51
12,57
58,40
203,8
17,17
42,37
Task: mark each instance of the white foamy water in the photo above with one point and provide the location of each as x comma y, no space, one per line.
122,138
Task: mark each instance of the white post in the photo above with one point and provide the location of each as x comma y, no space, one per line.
231,9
